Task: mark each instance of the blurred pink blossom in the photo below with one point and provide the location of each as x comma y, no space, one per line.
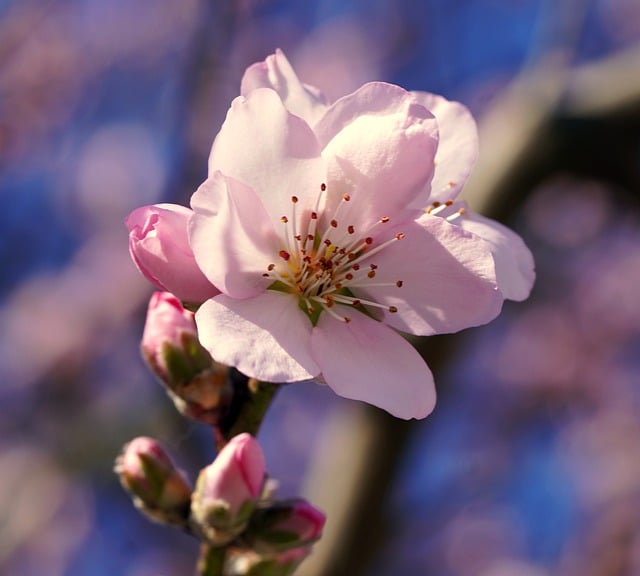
285,525
158,488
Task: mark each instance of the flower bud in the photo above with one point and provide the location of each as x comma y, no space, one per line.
158,488
280,526
171,348
227,490
159,246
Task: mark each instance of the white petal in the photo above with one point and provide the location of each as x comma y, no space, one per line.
266,337
231,236
448,279
379,145
366,360
458,146
515,268
270,150
277,73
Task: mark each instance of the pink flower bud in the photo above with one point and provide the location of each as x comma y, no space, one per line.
158,488
170,346
159,246
286,525
227,489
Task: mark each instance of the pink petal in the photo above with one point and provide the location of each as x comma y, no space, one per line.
276,73
266,337
270,150
515,268
448,279
232,236
458,146
379,145
365,360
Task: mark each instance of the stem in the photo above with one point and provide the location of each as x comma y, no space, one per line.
251,401
211,561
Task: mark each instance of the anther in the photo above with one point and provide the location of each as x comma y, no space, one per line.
294,199
384,219
284,219
348,276
327,242
284,255
399,283
347,319
368,240
271,267
309,236
351,229
373,266
346,197
371,273
449,202
356,267
392,309
356,302
334,223
399,236
323,186
314,215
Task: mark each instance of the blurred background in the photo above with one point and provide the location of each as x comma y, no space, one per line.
530,465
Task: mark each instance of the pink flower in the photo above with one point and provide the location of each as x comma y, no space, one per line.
325,248
227,489
159,246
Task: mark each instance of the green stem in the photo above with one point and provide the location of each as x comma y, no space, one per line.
211,561
256,397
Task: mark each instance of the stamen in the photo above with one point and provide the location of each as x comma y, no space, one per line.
455,215
358,302
284,255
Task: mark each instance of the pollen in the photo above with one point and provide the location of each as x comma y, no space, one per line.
324,264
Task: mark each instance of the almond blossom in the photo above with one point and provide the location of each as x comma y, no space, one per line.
323,245
329,228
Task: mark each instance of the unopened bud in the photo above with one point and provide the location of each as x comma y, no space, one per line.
227,490
286,525
171,348
159,247
158,488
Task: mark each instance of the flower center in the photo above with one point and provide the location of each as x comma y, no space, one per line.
323,263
